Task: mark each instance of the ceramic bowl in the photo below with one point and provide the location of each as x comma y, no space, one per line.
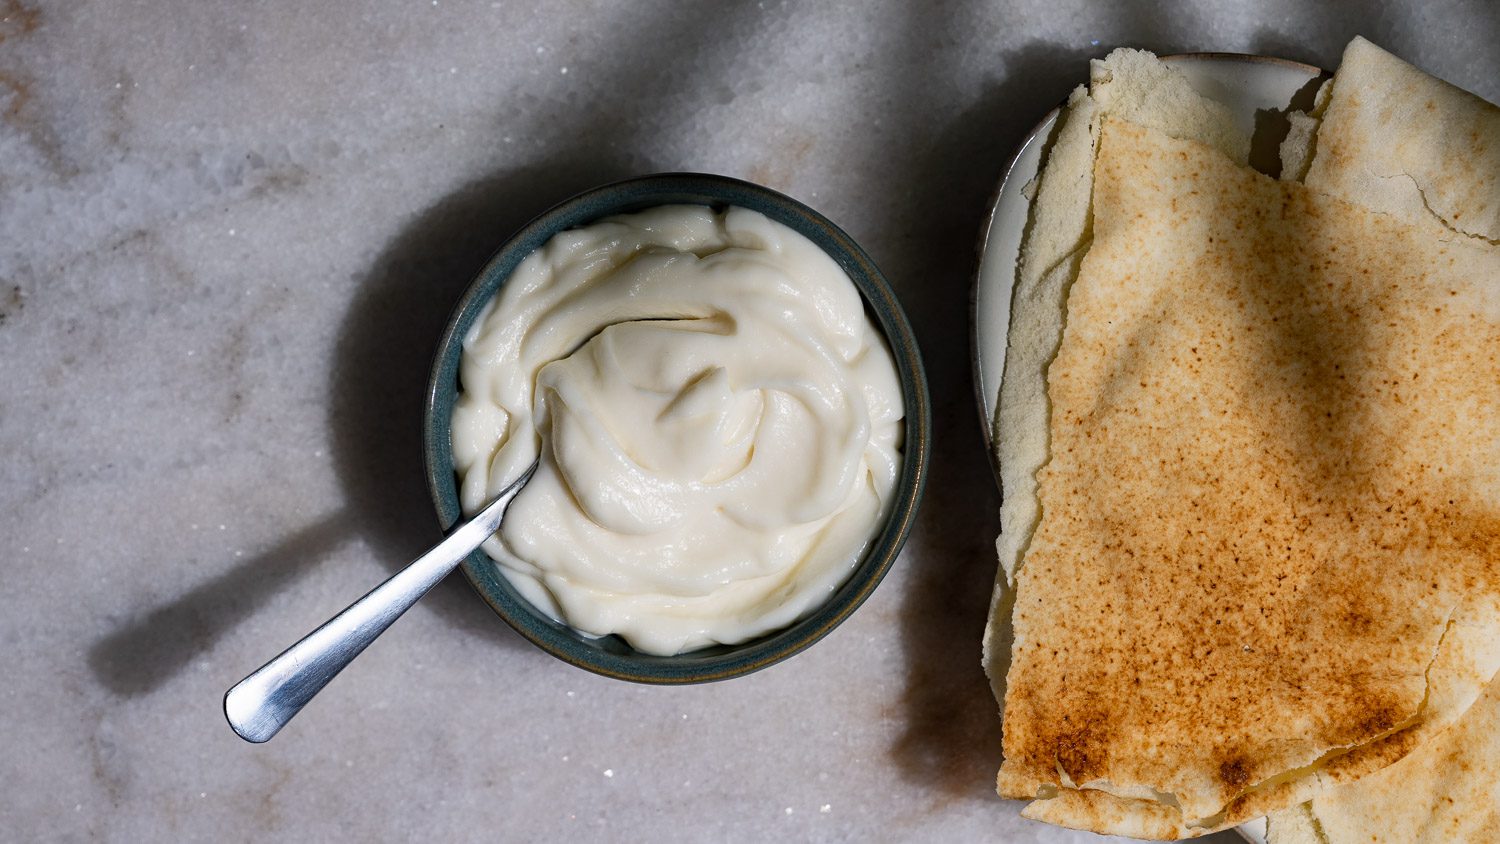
612,656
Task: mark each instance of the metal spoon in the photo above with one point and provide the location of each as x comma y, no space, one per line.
261,704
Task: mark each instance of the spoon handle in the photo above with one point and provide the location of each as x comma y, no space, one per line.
261,704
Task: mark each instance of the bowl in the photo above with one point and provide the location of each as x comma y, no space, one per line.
611,656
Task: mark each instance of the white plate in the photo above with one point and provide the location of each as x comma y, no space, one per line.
1246,84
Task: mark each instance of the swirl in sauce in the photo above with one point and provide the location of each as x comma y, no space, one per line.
719,421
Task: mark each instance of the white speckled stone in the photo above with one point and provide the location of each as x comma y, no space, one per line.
229,235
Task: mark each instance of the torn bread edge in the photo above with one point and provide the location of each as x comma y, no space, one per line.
1391,138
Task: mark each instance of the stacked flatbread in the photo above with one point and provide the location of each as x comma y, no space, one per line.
1249,434
1388,137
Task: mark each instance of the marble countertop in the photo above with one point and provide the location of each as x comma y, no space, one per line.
229,236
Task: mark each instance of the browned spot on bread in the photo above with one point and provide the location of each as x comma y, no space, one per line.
1234,772
1081,747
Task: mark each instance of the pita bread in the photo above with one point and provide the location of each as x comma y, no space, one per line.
1294,826
1301,138
1330,500
1448,789
1395,139
1135,85
1132,85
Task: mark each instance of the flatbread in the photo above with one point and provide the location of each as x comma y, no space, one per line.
1395,139
1135,85
1300,143
1050,255
1266,502
1448,789
1131,85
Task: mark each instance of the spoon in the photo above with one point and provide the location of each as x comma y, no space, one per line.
261,704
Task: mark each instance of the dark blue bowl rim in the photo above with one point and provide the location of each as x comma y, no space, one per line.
610,656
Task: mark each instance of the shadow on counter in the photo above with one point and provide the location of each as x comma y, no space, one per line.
384,350
149,651
951,742
387,340
379,378
384,358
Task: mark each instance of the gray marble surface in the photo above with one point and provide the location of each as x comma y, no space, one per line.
229,235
